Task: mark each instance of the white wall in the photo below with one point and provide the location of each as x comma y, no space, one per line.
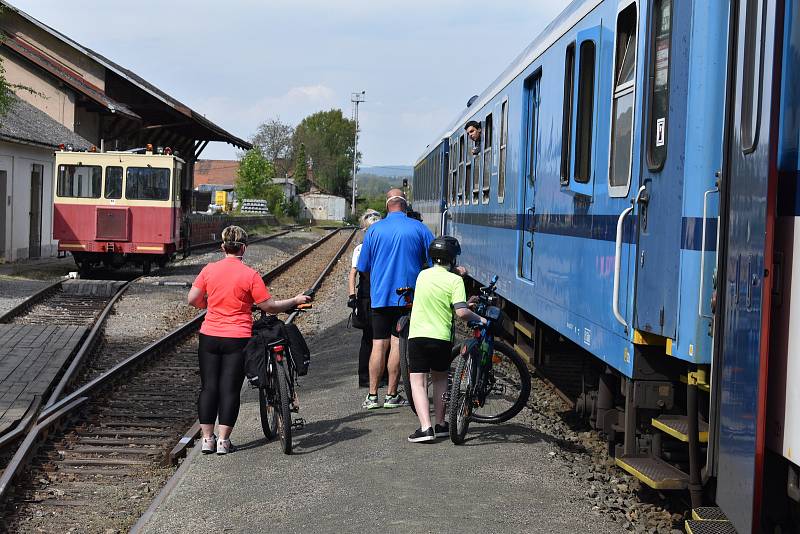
17,161
322,207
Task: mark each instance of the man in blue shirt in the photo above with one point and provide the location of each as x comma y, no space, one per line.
394,252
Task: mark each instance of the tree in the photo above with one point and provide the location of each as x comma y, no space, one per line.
254,177
328,139
301,169
274,138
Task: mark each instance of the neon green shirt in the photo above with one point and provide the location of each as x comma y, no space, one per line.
436,294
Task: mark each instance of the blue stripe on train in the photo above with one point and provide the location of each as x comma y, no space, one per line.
599,227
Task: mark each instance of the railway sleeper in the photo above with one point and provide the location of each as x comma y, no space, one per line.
124,433
122,450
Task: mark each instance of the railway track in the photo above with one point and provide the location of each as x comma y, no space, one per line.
99,455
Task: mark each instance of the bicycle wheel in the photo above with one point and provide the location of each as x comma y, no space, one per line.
284,414
459,408
269,415
509,386
404,372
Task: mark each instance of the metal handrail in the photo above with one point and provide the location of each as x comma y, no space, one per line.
618,259
703,253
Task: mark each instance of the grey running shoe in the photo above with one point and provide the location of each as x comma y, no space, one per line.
224,446
421,436
394,401
442,431
209,445
370,402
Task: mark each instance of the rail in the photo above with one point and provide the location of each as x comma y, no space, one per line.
31,301
56,411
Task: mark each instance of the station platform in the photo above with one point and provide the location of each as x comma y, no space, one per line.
354,471
31,356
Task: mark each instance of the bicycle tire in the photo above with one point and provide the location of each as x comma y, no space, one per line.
524,387
460,402
404,372
283,409
268,413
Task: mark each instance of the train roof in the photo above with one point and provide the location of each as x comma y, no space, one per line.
560,25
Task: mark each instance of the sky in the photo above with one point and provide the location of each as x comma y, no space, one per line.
242,62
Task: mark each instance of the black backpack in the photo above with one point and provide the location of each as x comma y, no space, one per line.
269,330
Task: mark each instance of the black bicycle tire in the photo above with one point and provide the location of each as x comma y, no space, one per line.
284,410
404,372
269,423
525,387
456,399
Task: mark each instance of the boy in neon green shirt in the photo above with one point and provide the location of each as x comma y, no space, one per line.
437,294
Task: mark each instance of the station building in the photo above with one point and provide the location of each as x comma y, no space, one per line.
77,96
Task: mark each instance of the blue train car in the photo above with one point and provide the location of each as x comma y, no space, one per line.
428,186
621,189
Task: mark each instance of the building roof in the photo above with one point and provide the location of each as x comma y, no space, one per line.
28,125
215,171
193,123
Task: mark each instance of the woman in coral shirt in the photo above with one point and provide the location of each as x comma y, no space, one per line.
227,289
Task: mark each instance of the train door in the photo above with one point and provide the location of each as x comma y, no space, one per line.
747,222
3,203
529,176
35,213
660,213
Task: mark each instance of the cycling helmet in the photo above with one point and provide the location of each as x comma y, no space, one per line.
369,217
444,249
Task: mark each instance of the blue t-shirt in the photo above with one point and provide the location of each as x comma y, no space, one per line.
394,252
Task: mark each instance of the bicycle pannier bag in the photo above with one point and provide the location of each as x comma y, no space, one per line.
297,344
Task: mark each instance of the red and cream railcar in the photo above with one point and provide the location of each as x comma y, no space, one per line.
117,208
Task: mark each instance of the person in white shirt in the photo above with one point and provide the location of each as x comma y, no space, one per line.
358,285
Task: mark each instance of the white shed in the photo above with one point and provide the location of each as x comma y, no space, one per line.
322,207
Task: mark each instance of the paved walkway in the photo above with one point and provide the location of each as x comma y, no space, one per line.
354,471
30,358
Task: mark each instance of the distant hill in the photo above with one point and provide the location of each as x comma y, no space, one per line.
388,171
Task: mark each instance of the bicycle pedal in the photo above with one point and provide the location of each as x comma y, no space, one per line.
298,423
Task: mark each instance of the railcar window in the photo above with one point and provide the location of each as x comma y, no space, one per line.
79,181
488,164
659,90
476,175
566,120
751,73
461,173
113,182
453,171
470,167
585,118
501,175
622,106
147,183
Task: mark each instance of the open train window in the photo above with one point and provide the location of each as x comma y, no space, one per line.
147,183
751,73
488,164
79,181
585,119
461,173
659,89
566,120
113,182
619,172
501,174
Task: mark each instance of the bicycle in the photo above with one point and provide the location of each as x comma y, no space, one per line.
491,383
405,294
277,398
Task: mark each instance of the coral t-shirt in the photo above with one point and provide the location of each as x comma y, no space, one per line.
232,288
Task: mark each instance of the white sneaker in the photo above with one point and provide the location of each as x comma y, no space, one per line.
210,445
224,446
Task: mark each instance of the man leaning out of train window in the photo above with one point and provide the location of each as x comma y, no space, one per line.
473,129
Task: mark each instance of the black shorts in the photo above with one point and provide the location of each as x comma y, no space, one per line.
384,321
426,354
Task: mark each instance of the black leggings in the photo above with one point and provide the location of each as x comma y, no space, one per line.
222,374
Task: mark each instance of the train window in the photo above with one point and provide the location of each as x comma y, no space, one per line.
566,119
501,175
469,168
476,173
461,176
147,183
453,171
488,164
659,89
751,73
585,119
79,181
113,182
622,105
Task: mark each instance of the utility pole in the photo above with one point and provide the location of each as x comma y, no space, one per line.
356,99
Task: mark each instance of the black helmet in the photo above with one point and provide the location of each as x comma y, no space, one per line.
444,249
